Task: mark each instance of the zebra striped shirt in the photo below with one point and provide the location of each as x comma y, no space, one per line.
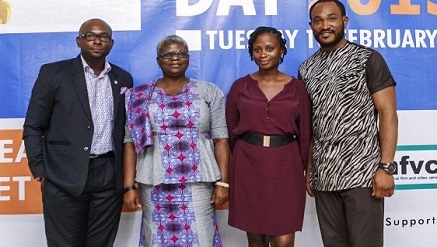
340,84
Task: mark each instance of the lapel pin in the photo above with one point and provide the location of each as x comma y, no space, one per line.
115,82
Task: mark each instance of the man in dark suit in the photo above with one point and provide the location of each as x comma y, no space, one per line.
73,134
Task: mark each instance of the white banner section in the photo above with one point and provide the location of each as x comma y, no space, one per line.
29,16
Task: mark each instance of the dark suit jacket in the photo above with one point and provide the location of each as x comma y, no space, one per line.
58,128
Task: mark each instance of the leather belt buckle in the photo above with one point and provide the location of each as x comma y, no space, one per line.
266,141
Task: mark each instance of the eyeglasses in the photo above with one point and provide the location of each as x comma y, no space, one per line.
104,37
171,54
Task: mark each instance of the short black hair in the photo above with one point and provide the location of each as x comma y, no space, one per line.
260,30
338,3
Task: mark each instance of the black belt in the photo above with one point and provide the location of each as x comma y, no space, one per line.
105,155
268,141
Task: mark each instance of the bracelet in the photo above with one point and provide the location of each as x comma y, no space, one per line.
129,188
222,184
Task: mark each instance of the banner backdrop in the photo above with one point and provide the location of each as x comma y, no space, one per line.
403,31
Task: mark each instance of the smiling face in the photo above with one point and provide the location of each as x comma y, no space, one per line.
176,65
94,50
267,51
328,25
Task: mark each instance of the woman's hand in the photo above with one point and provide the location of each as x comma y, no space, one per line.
310,190
220,195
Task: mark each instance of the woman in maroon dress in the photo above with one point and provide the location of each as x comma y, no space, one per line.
269,122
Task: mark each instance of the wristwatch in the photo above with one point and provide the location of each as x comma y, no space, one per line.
389,167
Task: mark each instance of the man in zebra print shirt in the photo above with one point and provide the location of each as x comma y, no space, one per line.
354,132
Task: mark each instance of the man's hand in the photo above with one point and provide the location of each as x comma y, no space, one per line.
40,180
383,184
132,199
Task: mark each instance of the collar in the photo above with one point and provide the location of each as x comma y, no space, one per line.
87,68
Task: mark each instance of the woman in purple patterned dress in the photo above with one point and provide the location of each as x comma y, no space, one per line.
177,151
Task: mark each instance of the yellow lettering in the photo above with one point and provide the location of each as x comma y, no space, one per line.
405,8
364,9
432,8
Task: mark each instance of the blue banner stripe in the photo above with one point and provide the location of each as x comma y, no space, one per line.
416,147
